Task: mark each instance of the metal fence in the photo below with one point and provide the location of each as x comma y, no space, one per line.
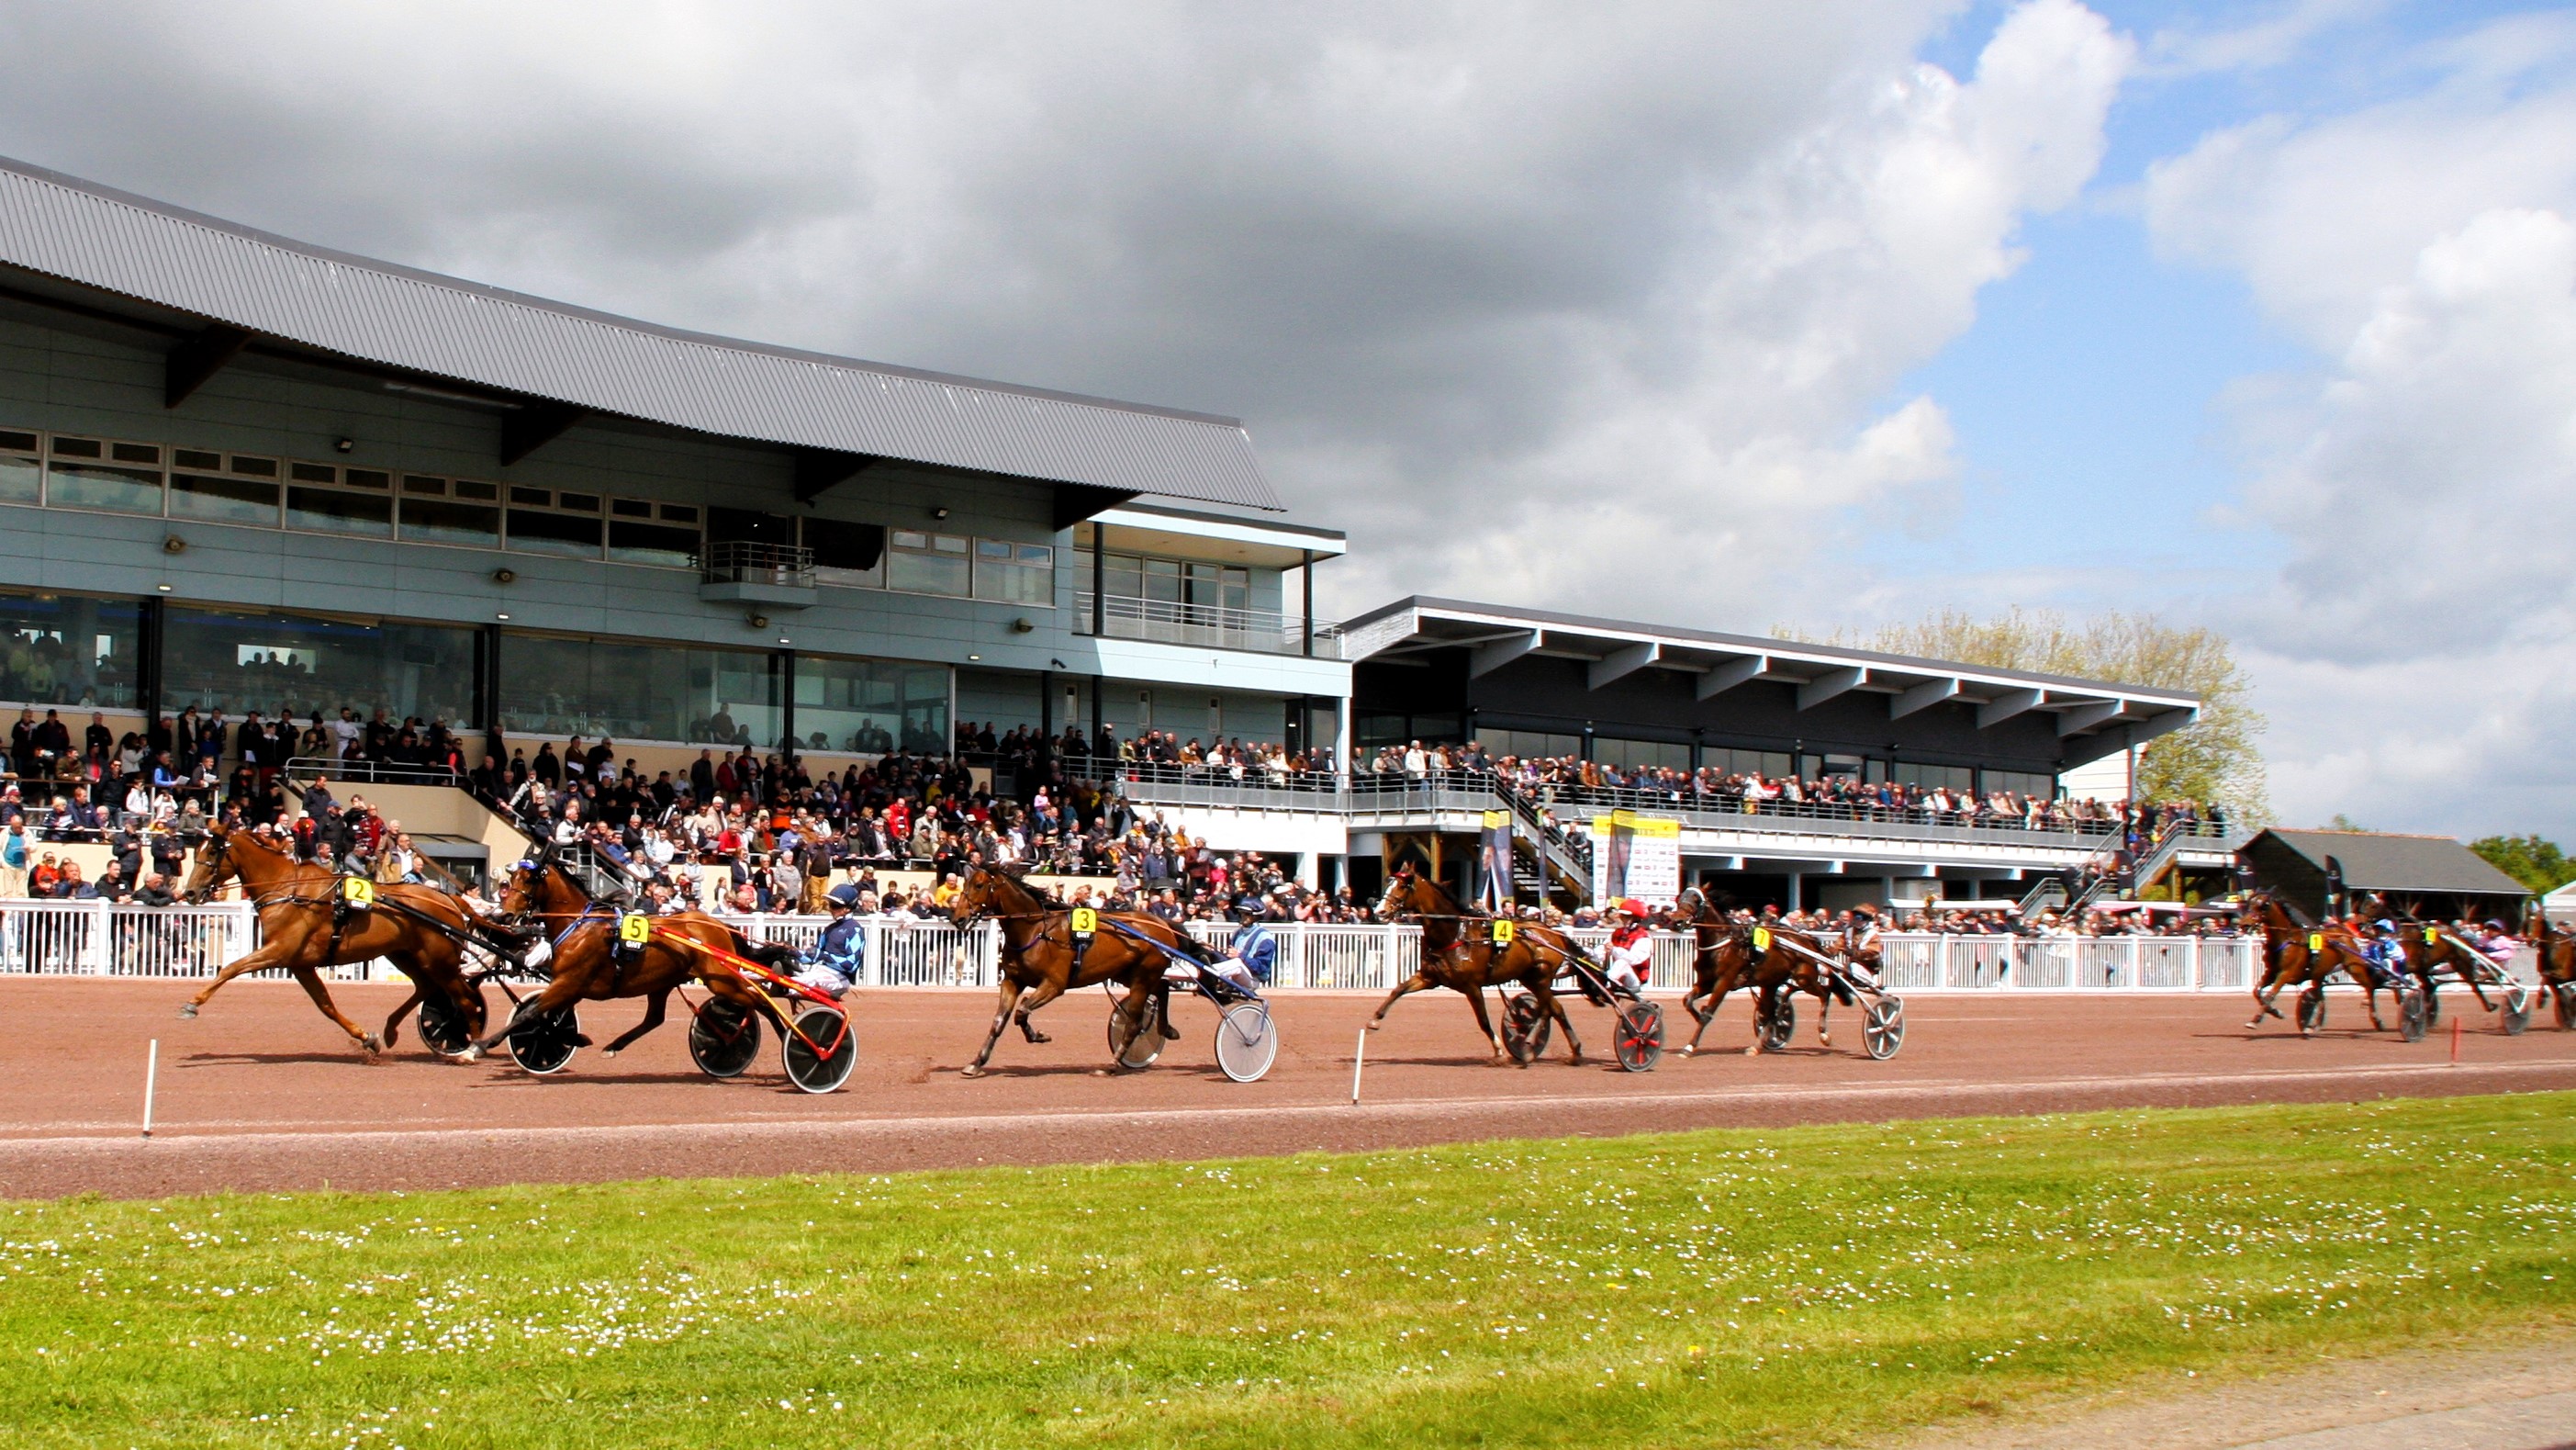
97,939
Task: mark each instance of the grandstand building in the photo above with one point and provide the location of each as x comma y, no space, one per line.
238,471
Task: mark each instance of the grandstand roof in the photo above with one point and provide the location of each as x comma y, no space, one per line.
290,297
1497,635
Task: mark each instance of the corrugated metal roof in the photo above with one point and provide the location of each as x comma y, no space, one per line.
421,322
2374,862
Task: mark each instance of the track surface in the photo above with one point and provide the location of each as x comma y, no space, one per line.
261,1093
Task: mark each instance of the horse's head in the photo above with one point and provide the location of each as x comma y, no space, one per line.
538,884
215,864
984,891
1409,893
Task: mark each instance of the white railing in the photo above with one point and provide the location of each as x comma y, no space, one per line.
1165,621
96,939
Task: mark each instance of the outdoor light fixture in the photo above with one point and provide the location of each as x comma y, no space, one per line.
164,588
505,576
1022,626
939,513
500,616
174,545
345,444
756,621
970,657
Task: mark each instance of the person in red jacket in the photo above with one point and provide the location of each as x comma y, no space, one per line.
1632,947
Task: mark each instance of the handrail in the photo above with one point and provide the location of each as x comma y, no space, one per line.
744,561
1271,631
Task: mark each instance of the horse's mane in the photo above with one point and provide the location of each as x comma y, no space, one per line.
1027,896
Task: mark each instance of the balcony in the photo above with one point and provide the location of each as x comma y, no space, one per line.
738,571
1207,626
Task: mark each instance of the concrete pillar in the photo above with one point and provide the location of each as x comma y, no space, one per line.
1342,739
1797,891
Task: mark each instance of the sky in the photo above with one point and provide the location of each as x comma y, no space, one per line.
2254,315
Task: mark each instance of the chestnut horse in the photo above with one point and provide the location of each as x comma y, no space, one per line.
1468,962
584,965
2430,946
2305,954
303,929
1039,960
2557,951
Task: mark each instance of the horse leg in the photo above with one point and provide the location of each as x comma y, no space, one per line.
272,954
1484,1025
1001,1019
1763,1000
1139,1001
654,1007
557,992
1715,1000
393,1021
1824,1010
1036,997
1555,1007
311,977
1420,983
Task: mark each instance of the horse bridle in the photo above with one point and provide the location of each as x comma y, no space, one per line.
213,859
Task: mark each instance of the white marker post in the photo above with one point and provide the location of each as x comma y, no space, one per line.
1359,1059
151,1078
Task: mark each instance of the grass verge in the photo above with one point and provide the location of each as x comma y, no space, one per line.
1800,1286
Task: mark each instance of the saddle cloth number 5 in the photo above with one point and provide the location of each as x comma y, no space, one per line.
634,929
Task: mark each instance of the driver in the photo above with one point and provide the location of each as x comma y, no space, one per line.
833,963
1861,945
1632,947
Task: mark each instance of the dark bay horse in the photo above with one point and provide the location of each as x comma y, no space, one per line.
1468,961
2306,954
2557,951
1039,959
2429,947
304,930
683,947
1722,959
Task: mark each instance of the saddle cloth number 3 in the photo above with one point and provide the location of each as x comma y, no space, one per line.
1085,921
634,929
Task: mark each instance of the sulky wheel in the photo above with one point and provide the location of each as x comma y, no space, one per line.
1638,1042
2517,1010
1882,1027
822,1051
443,1027
724,1037
546,1041
1246,1041
1133,1048
2413,1018
1779,1024
2312,1011
1525,1027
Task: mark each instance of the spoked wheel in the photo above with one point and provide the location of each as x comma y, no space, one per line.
2517,1010
546,1042
1779,1024
1246,1041
1882,1027
724,1037
1134,1045
2414,1019
823,1050
1639,1042
1525,1027
443,1027
2312,1012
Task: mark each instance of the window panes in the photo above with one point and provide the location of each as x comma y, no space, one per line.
849,555
1948,777
219,498
1773,764
323,499
77,483
301,663
435,512
1015,573
557,686
1529,744
69,650
921,563
542,522
2022,783
21,479
869,707
1641,754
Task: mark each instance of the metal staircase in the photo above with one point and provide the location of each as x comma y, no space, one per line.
1555,851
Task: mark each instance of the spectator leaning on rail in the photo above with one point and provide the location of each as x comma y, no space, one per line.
13,860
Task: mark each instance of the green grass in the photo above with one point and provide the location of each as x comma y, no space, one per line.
1736,1287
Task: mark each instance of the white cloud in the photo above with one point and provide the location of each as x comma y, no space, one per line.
2277,38
2414,651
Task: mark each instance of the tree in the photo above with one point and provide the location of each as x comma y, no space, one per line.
2215,758
2534,862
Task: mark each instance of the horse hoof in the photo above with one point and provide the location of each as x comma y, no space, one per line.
970,1070
372,1044
1686,1049
469,1054
187,1009
609,1052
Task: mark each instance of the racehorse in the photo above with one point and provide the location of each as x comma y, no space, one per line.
681,947
2429,946
1722,960
2557,951
1470,962
1040,960
305,927
2298,952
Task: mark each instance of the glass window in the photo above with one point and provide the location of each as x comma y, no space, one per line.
868,707
633,691
21,480
847,554
1930,777
1641,754
69,650
2022,783
102,485
1529,744
1162,581
536,531
1773,764
633,540
922,563
221,499
1123,577
300,663
339,511
440,521
1015,573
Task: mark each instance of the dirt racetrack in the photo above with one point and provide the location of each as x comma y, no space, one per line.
261,1093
